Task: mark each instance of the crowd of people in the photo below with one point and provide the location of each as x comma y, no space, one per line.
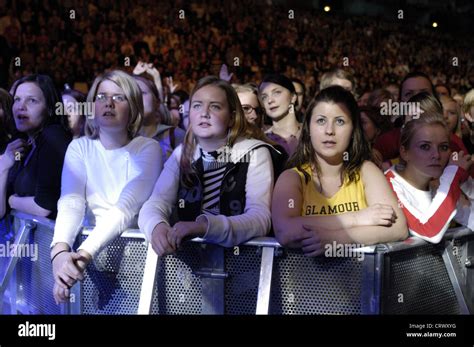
76,39
231,157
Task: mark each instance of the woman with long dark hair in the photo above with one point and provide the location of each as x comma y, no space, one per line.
332,191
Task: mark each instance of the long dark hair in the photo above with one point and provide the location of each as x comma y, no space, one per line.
358,150
45,83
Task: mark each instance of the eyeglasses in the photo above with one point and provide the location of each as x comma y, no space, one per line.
116,98
248,109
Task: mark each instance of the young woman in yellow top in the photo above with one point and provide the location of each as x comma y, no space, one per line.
333,192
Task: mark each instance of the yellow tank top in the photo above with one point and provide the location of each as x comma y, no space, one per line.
349,198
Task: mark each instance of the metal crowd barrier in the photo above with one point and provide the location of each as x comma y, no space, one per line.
259,277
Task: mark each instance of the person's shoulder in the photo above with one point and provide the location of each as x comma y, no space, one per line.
242,146
179,132
84,141
391,172
369,170
292,172
84,147
369,165
162,128
142,141
249,144
56,131
243,142
175,156
397,182
54,136
291,177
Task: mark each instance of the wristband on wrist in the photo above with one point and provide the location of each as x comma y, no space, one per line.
64,250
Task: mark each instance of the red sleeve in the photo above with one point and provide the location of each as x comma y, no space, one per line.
456,144
388,144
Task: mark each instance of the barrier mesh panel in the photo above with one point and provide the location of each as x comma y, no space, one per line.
303,285
460,251
113,280
178,290
416,282
35,278
6,236
458,248
241,287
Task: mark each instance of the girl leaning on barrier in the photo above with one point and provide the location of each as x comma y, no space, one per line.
111,170
219,181
332,192
426,155
30,168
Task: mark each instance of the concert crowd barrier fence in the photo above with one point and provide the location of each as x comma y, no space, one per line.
258,277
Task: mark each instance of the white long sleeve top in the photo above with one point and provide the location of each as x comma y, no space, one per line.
113,183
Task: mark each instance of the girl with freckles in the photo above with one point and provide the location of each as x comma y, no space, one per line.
218,182
332,191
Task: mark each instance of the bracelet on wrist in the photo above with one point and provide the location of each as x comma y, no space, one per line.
64,250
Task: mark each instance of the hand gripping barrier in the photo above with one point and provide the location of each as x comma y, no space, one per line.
258,277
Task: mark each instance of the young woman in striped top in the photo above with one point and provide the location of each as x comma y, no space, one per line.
219,181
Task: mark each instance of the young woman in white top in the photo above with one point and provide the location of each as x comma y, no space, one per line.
219,181
111,170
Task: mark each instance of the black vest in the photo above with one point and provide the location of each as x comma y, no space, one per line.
232,192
